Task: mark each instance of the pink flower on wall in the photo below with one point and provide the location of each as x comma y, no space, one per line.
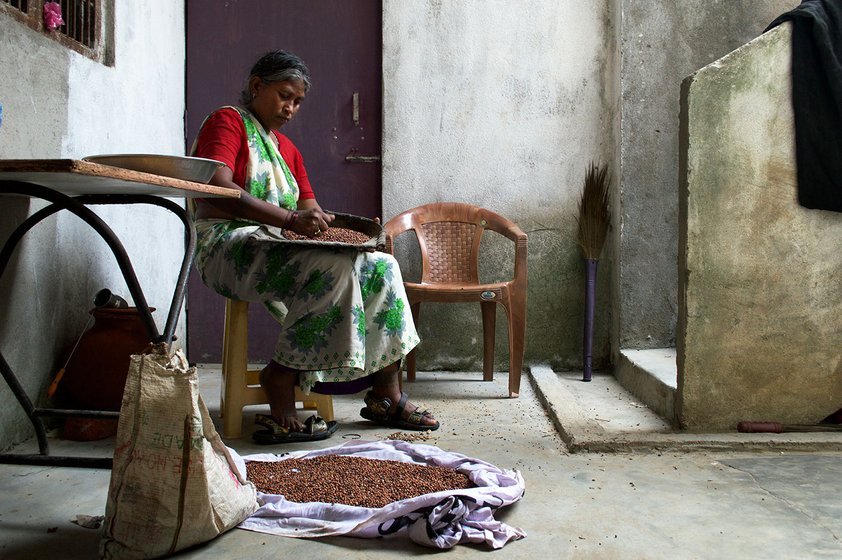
52,16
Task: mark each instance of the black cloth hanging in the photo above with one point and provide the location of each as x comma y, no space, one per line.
817,101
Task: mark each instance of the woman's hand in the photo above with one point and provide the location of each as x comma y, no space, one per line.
312,221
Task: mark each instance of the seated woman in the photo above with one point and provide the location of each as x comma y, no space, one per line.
346,322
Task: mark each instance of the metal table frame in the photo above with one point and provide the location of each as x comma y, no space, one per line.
78,205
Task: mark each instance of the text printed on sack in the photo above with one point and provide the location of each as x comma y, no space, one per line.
162,462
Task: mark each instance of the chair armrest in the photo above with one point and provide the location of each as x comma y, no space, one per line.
393,228
503,226
389,243
511,230
521,253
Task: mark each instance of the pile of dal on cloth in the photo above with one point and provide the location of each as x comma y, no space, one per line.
438,520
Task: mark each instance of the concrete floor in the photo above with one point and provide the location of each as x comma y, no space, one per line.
673,496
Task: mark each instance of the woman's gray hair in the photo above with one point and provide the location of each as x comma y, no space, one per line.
277,66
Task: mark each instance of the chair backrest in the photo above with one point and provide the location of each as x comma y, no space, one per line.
449,235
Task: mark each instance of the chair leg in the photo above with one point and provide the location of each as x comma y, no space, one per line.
322,404
234,366
489,323
516,312
226,335
410,358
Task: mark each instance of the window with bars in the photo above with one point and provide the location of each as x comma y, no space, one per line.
81,29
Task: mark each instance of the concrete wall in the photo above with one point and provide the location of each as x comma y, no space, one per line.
551,86
760,334
663,41
484,103
60,104
503,108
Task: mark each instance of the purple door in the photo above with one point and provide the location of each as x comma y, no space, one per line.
337,130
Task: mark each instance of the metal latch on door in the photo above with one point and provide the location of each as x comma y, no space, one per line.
353,156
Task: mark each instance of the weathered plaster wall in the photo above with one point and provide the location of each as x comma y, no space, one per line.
503,108
760,335
59,104
662,42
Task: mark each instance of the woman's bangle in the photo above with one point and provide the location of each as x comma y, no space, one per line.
292,219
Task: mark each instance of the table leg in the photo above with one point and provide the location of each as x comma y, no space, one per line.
77,206
190,246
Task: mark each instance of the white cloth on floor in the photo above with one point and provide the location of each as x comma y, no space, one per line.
438,520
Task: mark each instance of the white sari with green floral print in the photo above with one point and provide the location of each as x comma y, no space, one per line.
343,313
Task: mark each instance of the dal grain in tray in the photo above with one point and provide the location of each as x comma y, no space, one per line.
346,231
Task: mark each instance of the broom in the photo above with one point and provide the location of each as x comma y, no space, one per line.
594,221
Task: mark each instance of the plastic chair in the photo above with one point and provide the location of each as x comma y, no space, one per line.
240,385
449,235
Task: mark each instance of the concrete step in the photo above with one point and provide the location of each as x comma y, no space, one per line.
652,376
604,417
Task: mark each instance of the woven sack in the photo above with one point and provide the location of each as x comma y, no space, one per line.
173,483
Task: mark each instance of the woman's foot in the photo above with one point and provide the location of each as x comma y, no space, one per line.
397,413
388,405
278,382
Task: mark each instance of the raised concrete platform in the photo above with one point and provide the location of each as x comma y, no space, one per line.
651,376
603,416
759,321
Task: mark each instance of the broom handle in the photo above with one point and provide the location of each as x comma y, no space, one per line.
590,297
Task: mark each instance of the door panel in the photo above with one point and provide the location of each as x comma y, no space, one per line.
341,43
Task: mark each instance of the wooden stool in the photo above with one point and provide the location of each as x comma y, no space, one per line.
241,386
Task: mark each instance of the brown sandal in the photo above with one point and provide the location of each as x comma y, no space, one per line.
377,411
315,429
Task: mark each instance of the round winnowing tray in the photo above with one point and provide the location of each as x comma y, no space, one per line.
374,231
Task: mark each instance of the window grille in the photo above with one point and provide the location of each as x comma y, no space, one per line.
81,30
80,21
21,5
